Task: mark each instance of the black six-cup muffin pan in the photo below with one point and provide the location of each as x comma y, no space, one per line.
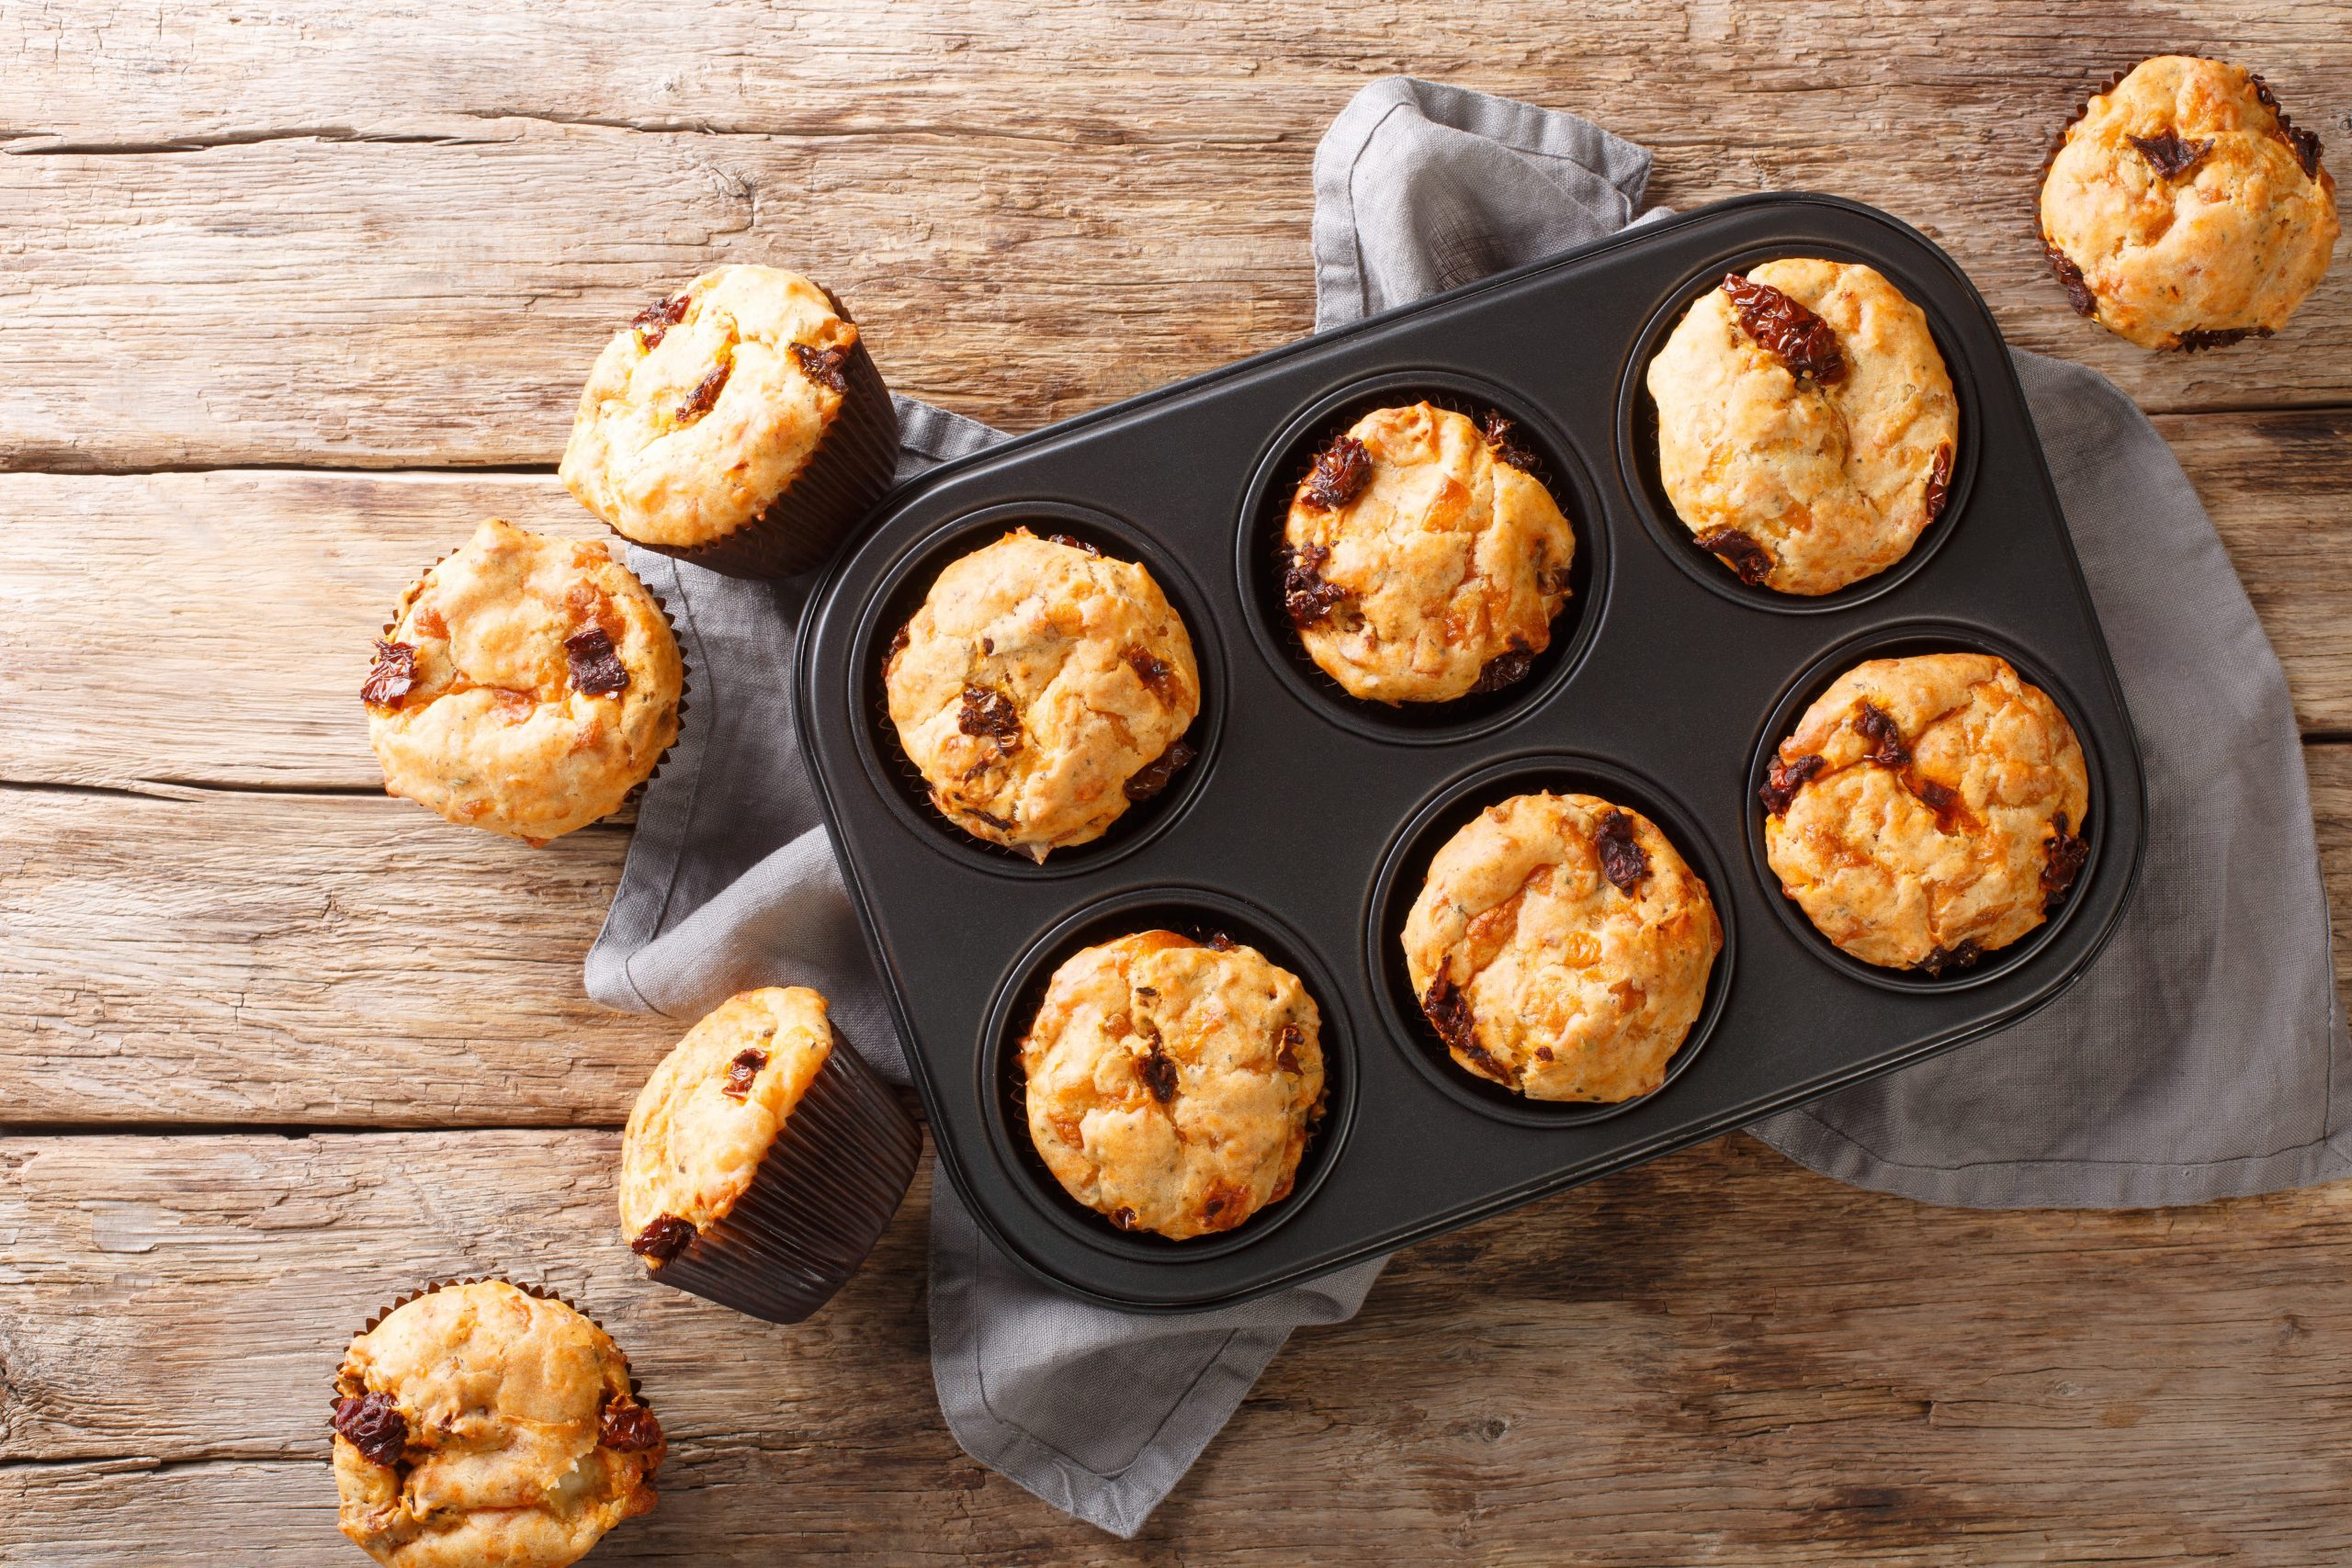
1306,822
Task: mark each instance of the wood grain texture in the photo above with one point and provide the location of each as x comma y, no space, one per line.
1717,1357
332,234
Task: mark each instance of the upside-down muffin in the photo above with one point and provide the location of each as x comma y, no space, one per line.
1928,810
1171,1083
525,685
1806,425
1561,946
1041,689
2184,209
479,1423
1424,559
737,423
761,1161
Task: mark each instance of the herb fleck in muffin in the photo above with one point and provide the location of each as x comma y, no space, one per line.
1171,1084
1928,810
2184,209
480,1423
1806,425
1425,561
525,685
1561,947
1041,689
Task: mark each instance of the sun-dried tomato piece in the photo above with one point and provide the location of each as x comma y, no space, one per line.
1623,860
1287,1049
1448,1012
1122,1217
596,665
654,322
1945,961
1939,487
2196,338
391,678
627,1427
990,713
1504,668
704,395
1158,1070
2070,277
1157,674
1503,439
2063,860
1225,1206
2303,143
1786,330
826,366
1308,599
2168,154
1218,941
372,1424
1154,775
1878,727
665,1239
1936,797
1749,561
1075,544
1342,470
1784,776
742,1070
899,640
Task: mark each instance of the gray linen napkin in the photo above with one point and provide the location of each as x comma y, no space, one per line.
2196,1060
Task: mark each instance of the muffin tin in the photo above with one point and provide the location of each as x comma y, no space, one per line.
1305,825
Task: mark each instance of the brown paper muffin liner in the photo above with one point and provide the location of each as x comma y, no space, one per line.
839,1168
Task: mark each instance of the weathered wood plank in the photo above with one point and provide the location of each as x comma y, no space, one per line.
1717,1357
245,599
1035,211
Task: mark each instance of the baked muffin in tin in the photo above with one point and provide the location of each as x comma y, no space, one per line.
1560,946
1424,558
524,686
480,1423
1043,688
1173,1084
1928,810
1806,423
2182,208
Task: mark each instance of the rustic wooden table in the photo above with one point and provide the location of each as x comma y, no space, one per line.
297,293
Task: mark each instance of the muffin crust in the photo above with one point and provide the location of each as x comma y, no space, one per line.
1041,689
1426,560
1928,810
525,686
1172,1084
1561,946
2183,210
1805,465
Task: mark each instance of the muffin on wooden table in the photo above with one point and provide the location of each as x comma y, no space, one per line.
1561,946
1173,1084
2184,209
480,1423
1424,559
737,423
1806,423
1927,811
1041,689
524,685
763,1160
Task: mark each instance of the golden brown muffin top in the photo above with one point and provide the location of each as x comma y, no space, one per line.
1928,810
2184,210
526,686
706,1119
1561,948
1041,689
704,408
1425,558
478,1423
1172,1085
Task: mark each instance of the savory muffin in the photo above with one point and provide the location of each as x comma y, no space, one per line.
737,423
524,685
1171,1083
1424,558
761,1164
1807,425
479,1423
1041,689
1928,810
2183,209
1561,947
